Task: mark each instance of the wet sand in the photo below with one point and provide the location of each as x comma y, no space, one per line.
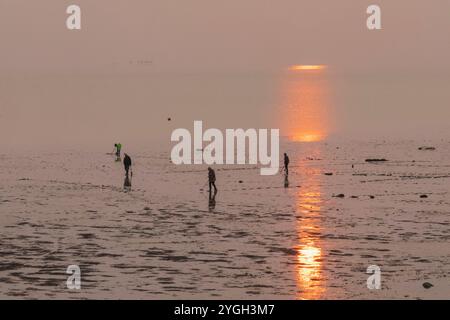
162,240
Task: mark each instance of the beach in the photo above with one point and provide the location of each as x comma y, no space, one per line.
314,239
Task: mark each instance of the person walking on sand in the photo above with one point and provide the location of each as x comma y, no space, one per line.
127,164
286,164
212,180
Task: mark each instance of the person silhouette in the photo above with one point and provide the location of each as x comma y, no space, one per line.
212,180
286,164
127,164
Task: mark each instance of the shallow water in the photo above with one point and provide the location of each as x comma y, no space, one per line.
260,240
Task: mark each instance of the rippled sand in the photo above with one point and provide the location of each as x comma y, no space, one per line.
261,240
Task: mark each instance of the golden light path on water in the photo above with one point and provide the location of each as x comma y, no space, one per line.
305,117
310,279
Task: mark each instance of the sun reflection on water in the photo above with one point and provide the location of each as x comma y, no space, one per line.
310,279
305,115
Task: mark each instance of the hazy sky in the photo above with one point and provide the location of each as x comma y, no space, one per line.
222,62
223,35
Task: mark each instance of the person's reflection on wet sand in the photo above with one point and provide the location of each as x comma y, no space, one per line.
286,181
212,200
127,184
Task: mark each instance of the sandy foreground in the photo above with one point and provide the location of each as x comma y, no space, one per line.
164,239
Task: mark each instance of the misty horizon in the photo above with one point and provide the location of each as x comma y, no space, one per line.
131,67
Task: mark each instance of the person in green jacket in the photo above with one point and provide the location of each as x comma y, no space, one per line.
118,148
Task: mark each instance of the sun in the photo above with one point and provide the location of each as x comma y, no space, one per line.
309,67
